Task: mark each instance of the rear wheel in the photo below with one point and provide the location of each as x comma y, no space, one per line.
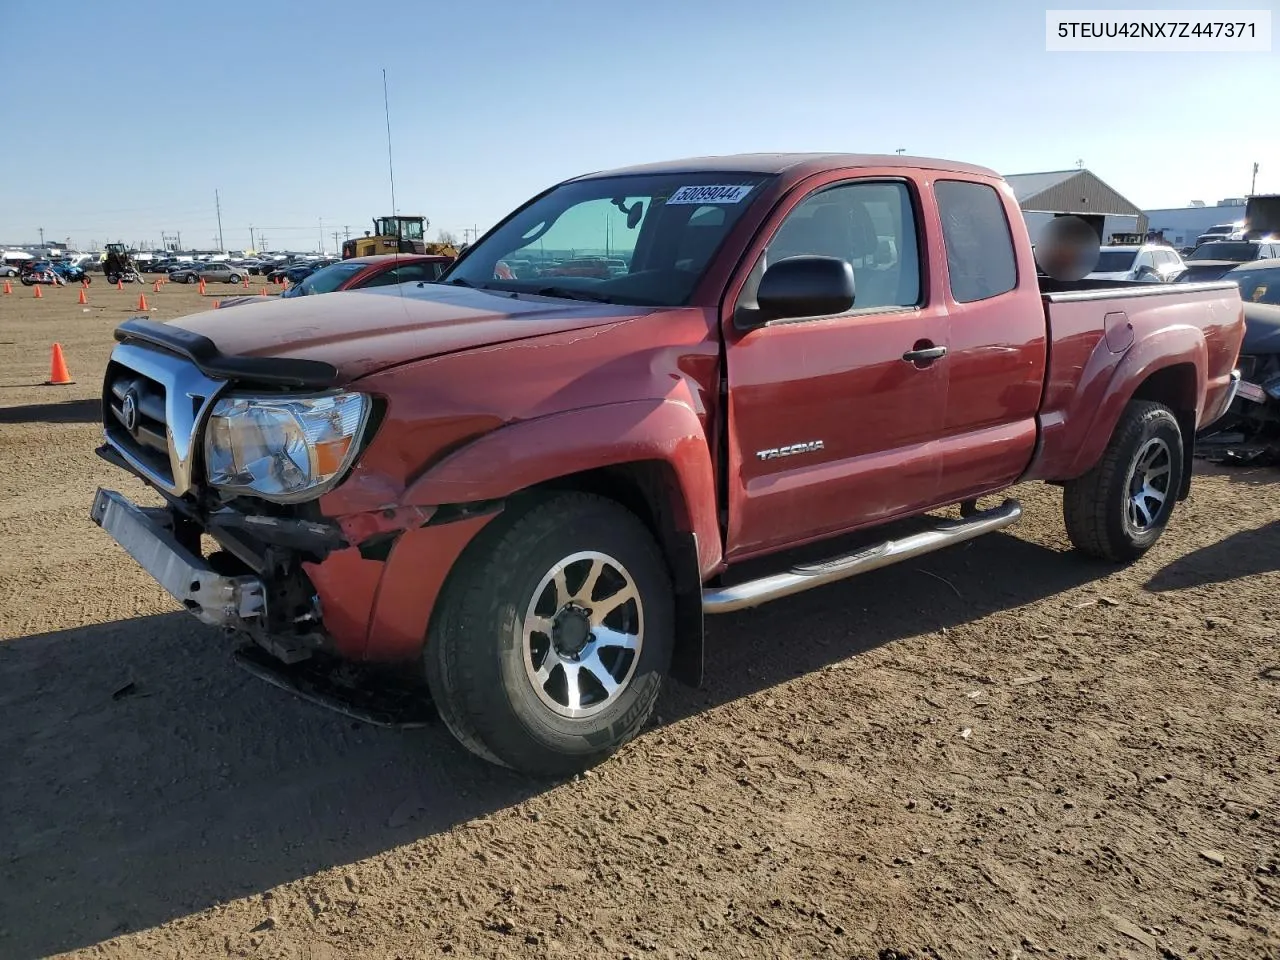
192,278
1119,509
551,640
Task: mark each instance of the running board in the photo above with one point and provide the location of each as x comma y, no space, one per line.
742,596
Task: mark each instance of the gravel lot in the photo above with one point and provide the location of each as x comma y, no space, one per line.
999,751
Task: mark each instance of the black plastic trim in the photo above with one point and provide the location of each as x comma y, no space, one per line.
204,353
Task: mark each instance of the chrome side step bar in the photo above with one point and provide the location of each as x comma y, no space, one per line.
753,593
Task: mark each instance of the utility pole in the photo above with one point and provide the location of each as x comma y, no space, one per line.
1254,185
252,246
900,151
346,232
179,241
321,221
222,247
42,236
335,236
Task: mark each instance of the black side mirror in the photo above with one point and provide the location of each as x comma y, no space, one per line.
805,287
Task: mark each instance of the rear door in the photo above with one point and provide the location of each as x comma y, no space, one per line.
830,425
997,351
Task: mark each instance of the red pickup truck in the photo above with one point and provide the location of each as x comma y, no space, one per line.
531,490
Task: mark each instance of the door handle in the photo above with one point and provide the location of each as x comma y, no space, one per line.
924,354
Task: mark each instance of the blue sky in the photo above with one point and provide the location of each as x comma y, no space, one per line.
282,112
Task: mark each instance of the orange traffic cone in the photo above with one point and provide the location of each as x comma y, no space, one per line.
119,284
246,283
156,288
8,288
58,374
83,298
38,295
202,286
264,292
142,301
217,304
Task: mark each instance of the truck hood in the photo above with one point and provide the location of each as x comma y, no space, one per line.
362,331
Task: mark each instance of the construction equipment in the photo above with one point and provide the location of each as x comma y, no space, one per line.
396,234
118,265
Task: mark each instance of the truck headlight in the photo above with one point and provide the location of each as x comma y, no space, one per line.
284,449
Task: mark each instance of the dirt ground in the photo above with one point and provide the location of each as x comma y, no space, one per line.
999,751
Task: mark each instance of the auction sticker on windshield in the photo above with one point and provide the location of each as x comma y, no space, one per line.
709,193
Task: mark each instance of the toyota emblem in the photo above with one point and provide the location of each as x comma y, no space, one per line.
129,411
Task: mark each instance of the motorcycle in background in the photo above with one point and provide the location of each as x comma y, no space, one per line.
41,271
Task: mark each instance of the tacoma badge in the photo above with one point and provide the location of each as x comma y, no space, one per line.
807,447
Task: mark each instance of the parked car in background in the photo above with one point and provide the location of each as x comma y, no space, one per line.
1213,259
377,271
293,272
213,270
359,273
1152,263
533,490
1259,281
8,269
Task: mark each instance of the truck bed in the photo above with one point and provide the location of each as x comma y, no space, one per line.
1191,330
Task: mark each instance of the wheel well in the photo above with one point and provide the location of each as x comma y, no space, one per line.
1176,387
651,490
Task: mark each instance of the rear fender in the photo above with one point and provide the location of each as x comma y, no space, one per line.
1173,346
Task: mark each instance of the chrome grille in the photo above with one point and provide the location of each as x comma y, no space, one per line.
154,404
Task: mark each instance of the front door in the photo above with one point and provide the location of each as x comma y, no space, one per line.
833,420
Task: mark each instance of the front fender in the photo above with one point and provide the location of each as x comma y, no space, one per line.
515,457
1166,348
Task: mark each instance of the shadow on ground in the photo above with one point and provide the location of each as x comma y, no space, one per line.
64,411
147,778
1242,554
1253,476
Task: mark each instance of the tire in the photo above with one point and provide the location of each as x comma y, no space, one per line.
191,278
28,282
113,278
234,278
490,669
1101,508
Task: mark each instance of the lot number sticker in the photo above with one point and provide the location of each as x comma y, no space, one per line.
711,193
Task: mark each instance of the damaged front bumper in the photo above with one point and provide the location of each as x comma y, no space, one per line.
147,535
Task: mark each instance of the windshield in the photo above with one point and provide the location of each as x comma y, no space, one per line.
643,240
1258,286
1115,261
327,279
1226,250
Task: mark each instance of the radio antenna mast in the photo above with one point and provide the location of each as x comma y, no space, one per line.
386,105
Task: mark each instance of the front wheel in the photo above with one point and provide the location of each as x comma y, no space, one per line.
27,282
1119,509
192,278
549,645
234,278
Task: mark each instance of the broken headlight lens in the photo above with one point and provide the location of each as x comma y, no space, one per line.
283,448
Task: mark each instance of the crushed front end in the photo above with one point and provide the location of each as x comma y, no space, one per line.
239,449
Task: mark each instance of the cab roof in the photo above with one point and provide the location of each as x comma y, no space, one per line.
797,165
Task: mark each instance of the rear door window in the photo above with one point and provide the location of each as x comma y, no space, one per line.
975,230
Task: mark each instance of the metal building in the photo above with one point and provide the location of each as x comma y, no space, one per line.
1043,196
1181,225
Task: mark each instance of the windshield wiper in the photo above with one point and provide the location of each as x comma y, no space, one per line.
572,293
460,282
